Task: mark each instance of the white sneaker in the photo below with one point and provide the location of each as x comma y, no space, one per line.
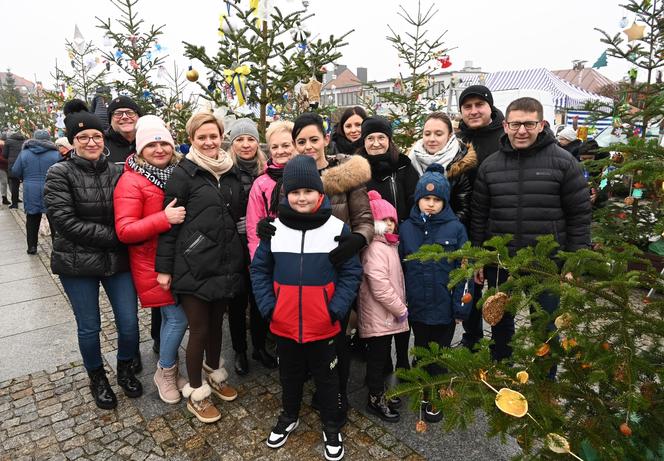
334,445
281,431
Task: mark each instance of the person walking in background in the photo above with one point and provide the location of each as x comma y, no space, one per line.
305,305
13,147
4,166
86,252
99,105
381,304
249,163
140,216
202,261
37,156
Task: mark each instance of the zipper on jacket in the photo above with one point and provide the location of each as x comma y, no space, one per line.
519,203
300,284
393,184
193,245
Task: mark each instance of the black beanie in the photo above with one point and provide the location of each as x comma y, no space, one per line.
376,124
301,173
122,102
79,120
480,91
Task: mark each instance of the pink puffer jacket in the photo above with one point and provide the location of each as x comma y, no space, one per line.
258,205
382,296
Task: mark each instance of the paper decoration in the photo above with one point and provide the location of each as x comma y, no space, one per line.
78,41
623,22
635,32
601,61
313,87
444,61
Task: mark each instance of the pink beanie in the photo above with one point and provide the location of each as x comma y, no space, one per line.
381,208
151,128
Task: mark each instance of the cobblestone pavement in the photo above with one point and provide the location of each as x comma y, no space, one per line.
50,414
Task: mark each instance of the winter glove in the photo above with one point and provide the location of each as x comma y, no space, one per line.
349,246
241,225
265,230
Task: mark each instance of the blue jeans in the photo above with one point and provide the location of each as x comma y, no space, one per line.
83,294
173,326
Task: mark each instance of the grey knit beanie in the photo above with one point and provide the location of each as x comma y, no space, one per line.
241,127
42,135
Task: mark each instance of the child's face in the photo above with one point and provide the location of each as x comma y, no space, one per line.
430,204
303,200
391,225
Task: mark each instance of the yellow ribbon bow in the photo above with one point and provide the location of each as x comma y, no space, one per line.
238,78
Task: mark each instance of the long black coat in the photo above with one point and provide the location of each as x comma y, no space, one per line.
13,147
532,192
394,181
203,254
78,195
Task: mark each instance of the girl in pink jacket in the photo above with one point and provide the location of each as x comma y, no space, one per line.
264,194
381,303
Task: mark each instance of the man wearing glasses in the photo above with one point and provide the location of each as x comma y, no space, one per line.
529,188
123,114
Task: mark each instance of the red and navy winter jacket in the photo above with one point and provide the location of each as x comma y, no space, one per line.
296,285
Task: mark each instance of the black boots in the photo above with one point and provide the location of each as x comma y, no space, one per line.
377,404
241,363
101,390
5,201
127,380
265,358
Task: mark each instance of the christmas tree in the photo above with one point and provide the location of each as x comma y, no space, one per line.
12,108
176,109
138,54
262,55
87,74
607,343
417,51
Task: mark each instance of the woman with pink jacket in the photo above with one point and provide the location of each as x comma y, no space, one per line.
264,194
381,303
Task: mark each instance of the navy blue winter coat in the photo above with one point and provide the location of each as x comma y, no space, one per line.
429,300
31,165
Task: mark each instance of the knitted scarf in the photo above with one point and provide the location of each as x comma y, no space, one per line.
217,166
157,176
421,159
250,166
276,173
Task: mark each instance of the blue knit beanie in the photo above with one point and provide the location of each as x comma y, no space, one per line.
433,182
301,173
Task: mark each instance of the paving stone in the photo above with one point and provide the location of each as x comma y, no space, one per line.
75,453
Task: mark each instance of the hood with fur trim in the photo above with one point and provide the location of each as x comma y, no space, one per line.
465,160
350,172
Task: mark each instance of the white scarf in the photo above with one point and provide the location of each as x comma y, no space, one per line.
421,159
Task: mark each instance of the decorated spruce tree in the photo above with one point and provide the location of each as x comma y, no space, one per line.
87,71
262,55
177,107
12,104
606,340
137,54
417,49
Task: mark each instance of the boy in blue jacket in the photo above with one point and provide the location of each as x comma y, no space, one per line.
303,296
433,309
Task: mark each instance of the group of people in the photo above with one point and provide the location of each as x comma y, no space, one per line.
304,236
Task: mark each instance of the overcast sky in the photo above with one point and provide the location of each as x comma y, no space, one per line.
494,35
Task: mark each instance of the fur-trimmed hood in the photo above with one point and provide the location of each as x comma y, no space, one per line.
350,172
465,160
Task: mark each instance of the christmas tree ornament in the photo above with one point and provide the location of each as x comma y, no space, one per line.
563,321
118,54
629,201
107,41
568,343
466,298
522,377
192,74
444,61
133,64
108,65
493,309
132,39
420,426
511,402
623,22
162,73
78,41
543,350
602,61
237,77
632,74
605,345
313,88
625,430
635,32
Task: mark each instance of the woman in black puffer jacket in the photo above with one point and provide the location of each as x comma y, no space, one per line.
78,194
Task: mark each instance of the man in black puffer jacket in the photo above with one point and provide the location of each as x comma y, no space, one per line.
481,128
529,188
13,147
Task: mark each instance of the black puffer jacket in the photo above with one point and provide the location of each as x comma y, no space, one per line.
394,181
203,254
459,173
531,192
118,146
79,200
13,147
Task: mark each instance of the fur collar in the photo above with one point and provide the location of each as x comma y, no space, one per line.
464,164
351,172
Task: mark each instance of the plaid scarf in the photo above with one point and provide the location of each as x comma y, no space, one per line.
157,176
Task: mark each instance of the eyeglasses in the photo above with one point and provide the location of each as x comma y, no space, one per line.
83,139
118,114
529,125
